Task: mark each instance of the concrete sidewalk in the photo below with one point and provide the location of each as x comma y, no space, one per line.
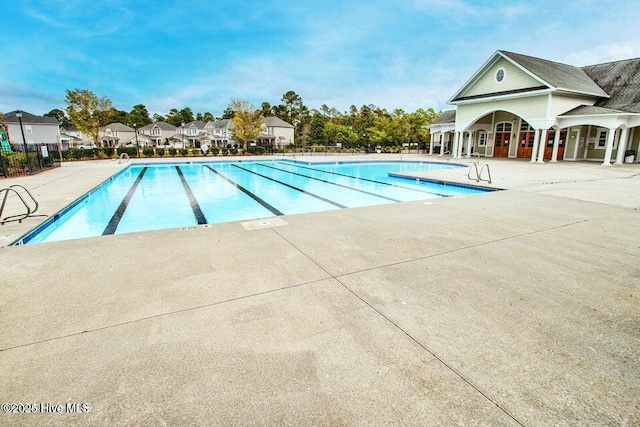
518,307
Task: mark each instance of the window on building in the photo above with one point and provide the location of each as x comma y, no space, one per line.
482,139
601,141
28,129
155,131
525,127
503,127
500,75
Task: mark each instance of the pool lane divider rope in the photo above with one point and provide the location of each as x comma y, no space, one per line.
264,204
117,216
367,179
330,182
292,187
195,206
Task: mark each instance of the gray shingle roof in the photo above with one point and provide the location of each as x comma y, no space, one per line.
560,76
28,118
272,121
197,123
118,127
160,125
621,80
223,124
445,117
588,110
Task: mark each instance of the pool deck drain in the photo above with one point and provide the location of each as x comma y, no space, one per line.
517,307
263,223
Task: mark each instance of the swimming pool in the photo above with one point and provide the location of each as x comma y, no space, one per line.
152,196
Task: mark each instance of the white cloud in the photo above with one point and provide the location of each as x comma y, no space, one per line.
602,53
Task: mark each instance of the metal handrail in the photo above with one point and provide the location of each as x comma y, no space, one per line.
19,217
478,173
476,154
446,152
122,156
486,165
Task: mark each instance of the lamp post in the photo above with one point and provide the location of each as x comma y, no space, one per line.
24,142
135,129
184,136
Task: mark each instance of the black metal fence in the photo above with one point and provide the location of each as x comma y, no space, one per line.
40,157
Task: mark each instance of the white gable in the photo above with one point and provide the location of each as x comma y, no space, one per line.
514,78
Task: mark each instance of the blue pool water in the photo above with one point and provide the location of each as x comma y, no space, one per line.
156,196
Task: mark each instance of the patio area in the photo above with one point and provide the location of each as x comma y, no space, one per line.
516,307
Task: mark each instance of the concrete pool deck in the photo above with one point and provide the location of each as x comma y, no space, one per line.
517,307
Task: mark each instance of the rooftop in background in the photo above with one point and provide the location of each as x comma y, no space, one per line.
120,127
29,118
276,122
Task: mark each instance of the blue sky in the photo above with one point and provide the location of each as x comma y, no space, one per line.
395,54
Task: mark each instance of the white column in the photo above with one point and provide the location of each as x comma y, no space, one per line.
556,144
433,140
469,144
456,141
609,149
536,140
542,145
460,144
622,146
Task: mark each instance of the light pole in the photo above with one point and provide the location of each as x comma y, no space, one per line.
24,142
135,128
184,136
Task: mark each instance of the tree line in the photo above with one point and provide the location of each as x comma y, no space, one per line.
357,127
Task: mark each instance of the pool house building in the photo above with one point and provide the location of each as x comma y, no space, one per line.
518,106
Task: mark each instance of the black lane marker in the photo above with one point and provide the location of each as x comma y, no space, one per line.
195,206
247,192
117,216
292,187
366,179
332,183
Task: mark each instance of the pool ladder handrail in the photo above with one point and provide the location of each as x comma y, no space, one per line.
123,156
19,217
446,152
478,172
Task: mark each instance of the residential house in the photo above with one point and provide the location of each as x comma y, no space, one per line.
37,129
518,106
70,136
220,132
115,134
276,132
156,134
188,133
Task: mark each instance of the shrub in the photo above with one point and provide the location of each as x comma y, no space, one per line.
184,152
214,151
131,151
148,151
256,150
107,151
160,151
228,146
172,151
225,151
234,151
